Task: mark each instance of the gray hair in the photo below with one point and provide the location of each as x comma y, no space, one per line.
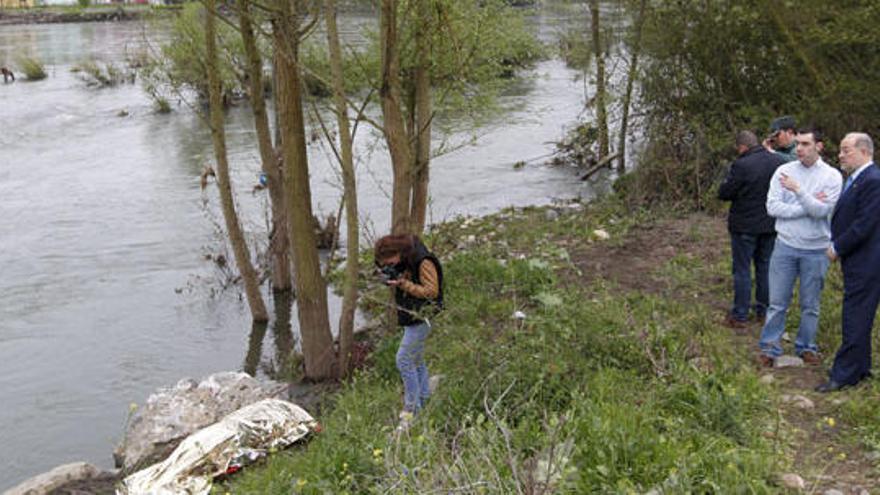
862,141
746,138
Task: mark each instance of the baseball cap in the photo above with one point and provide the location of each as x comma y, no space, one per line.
780,123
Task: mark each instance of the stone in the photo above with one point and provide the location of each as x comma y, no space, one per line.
45,483
873,456
799,401
793,481
767,379
601,234
832,491
171,414
551,215
789,362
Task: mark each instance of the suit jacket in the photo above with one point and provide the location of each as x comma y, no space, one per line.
855,228
746,186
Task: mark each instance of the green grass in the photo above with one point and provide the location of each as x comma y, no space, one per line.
596,391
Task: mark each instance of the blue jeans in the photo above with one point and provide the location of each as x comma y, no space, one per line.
786,264
746,249
411,364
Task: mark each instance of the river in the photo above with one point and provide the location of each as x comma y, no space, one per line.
106,293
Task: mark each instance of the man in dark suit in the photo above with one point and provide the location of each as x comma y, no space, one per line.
855,235
752,230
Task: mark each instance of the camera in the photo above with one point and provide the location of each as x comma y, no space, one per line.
389,272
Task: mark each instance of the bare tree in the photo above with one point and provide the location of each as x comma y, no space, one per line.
632,73
601,92
278,239
311,288
218,136
394,127
346,159
422,116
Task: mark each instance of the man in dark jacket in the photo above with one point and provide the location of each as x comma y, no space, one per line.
752,232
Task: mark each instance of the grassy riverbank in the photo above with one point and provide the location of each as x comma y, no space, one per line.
620,378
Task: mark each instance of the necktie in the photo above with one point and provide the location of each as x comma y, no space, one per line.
849,181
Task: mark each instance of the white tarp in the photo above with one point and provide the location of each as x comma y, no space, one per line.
237,439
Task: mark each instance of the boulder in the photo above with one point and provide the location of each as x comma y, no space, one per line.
45,483
171,414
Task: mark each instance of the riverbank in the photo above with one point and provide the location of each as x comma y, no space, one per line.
54,15
583,350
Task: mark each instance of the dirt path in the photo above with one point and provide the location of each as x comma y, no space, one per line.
819,443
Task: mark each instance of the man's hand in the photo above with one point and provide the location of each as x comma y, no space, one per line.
821,196
832,255
789,183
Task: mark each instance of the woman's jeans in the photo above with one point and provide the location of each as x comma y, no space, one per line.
787,264
411,364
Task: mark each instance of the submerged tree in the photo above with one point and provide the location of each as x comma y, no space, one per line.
311,289
271,166
233,228
346,163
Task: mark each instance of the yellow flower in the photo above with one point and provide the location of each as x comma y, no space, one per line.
377,452
830,422
301,483
841,456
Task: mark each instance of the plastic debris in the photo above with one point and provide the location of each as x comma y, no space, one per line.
223,448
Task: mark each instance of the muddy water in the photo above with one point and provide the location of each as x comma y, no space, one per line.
105,292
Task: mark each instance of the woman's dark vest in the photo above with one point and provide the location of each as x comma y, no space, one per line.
410,309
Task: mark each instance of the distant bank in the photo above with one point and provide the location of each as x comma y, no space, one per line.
109,13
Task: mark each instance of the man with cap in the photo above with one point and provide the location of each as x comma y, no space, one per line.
752,230
781,139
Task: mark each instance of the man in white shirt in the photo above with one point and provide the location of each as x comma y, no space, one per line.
802,197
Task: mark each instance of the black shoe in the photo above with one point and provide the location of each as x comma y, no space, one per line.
830,386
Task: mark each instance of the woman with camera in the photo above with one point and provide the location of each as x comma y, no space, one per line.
417,277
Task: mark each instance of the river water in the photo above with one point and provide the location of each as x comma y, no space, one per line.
105,292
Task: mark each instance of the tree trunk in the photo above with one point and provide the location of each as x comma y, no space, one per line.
395,129
601,96
278,241
350,291
630,83
236,236
311,289
423,117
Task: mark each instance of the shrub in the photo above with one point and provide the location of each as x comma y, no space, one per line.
32,68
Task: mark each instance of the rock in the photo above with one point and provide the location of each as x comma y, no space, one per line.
832,491
171,414
766,379
54,479
789,362
551,215
799,401
873,456
518,315
791,480
601,234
